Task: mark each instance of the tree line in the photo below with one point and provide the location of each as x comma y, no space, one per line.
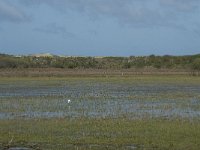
159,62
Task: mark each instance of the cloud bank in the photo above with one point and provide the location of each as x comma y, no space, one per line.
140,13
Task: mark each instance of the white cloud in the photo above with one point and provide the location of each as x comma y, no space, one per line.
8,12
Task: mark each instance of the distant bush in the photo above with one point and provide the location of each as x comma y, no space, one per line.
196,64
152,61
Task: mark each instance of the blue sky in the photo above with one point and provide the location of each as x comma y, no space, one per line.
100,27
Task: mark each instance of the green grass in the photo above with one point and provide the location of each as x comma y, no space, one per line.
144,134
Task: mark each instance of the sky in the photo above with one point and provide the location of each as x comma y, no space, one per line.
100,27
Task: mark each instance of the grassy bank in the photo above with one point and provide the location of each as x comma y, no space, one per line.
140,79
61,72
111,133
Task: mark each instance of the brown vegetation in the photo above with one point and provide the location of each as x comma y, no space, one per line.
58,72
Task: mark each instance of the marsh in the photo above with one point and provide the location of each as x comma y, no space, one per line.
114,112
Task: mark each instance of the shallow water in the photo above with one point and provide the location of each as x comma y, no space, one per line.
98,100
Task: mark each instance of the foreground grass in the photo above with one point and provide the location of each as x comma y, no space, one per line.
60,133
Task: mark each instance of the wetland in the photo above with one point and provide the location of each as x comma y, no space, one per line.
134,112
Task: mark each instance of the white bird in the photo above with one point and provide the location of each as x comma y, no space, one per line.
68,101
